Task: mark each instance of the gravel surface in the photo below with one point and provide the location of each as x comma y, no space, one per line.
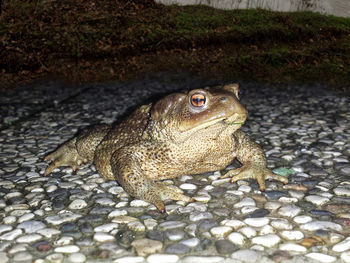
79,217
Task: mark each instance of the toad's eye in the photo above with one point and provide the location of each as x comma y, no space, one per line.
198,100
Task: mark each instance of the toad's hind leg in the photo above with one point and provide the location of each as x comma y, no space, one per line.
128,174
78,150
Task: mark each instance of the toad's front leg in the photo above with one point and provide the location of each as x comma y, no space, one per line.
253,162
126,169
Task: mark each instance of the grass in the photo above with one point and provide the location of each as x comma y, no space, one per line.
96,41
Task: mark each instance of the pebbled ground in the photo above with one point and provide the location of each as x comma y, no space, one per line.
79,217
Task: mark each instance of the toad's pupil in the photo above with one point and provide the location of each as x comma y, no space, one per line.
198,100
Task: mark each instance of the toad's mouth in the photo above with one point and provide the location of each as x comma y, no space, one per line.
234,120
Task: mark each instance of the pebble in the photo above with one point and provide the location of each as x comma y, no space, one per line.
164,258
5,228
22,257
55,258
247,201
139,203
321,257
106,227
103,237
129,260
171,225
289,210
67,249
342,246
248,231
146,246
317,200
206,259
342,191
29,238
316,225
63,217
292,234
77,204
302,219
247,255
257,222
77,258
345,256
237,238
281,224
220,231
292,247
177,248
192,242
9,236
225,247
268,240
233,223
197,216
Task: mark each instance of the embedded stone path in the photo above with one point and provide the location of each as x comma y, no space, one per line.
79,217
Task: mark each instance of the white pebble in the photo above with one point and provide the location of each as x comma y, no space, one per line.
205,259
123,219
23,256
3,257
289,210
77,204
55,257
5,228
248,231
342,191
288,200
248,209
272,205
325,225
117,212
188,186
139,203
67,249
150,223
321,257
105,202
48,232
202,198
281,224
302,219
257,222
30,238
237,238
292,247
267,230
129,260
220,231
77,258
247,255
106,227
342,246
247,201
136,226
25,217
292,234
245,188
268,240
9,220
345,256
9,236
103,237
234,223
65,240
192,242
317,200
164,258
63,217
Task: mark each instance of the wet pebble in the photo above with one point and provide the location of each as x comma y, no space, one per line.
225,247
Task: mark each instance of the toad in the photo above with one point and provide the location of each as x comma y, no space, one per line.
184,133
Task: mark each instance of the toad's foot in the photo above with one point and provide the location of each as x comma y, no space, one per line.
66,155
260,174
169,193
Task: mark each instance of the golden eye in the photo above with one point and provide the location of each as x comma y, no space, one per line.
198,100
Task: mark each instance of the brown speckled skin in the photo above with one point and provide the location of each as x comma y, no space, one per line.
169,139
